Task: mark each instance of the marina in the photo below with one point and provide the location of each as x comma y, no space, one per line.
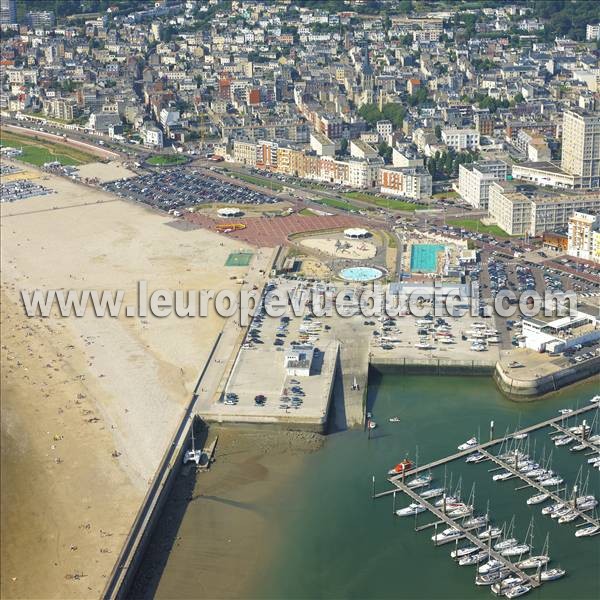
463,525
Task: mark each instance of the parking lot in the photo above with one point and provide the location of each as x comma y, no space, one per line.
181,188
259,388
20,189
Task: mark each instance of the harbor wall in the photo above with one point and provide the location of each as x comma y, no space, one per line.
433,366
124,571
523,389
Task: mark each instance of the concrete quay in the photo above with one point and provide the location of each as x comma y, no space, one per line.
538,374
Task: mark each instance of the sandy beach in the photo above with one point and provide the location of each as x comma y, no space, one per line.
89,403
227,508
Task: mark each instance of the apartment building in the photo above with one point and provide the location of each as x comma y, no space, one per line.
407,182
244,152
519,211
460,139
584,236
474,181
581,146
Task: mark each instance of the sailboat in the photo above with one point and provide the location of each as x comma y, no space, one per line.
539,560
192,455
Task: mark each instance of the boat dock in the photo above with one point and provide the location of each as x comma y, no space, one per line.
577,438
452,457
534,484
482,544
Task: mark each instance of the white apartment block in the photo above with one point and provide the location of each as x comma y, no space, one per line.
412,182
581,146
474,181
244,153
592,32
460,139
364,173
384,128
583,235
534,213
153,136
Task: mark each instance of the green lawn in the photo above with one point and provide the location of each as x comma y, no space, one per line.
451,194
478,226
306,212
391,203
271,185
166,159
37,151
334,203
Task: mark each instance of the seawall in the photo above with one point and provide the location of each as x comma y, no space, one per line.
126,566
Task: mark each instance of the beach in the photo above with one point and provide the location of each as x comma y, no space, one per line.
88,404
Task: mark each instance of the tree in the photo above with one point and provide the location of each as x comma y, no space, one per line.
385,152
438,132
343,146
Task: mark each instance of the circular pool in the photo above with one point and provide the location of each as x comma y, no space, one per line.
361,273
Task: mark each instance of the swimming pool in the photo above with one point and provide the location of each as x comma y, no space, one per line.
423,257
361,273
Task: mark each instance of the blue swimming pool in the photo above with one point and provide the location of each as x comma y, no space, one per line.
423,257
361,273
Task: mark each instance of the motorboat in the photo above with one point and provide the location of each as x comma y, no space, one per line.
448,535
548,510
401,467
372,424
568,517
578,448
516,550
552,574
564,440
533,562
394,419
468,444
588,531
492,577
475,458
466,551
410,510
420,481
501,587
551,481
580,429
491,565
502,476
504,544
519,436
593,459
517,590
538,498
432,493
565,411
473,559
491,532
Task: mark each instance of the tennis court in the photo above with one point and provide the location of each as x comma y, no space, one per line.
238,259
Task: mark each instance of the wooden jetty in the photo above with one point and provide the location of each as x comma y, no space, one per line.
395,479
537,486
482,544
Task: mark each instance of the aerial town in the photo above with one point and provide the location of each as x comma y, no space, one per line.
277,274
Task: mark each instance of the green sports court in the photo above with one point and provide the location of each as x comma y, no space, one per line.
238,259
